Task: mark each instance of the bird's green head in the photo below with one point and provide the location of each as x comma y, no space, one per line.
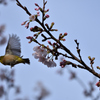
1,57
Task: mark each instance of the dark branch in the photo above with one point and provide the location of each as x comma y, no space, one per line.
23,7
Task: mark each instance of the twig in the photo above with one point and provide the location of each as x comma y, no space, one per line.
43,11
78,50
92,66
23,7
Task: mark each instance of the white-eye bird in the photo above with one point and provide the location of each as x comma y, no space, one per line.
12,53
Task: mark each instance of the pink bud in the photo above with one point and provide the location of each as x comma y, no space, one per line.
98,67
47,16
27,25
62,66
37,8
63,39
38,13
49,42
36,4
53,23
65,34
29,37
98,84
46,24
61,34
31,29
35,35
47,9
24,23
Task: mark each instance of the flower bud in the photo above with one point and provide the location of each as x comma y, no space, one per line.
47,16
65,34
29,37
24,23
98,67
93,59
89,57
98,84
36,4
49,42
27,25
51,25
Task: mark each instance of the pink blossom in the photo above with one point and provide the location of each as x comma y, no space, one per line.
50,63
32,17
36,56
36,48
41,53
42,59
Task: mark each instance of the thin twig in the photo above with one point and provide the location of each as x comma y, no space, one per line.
43,11
78,50
92,66
65,55
23,7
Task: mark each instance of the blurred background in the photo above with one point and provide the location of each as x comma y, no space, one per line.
81,20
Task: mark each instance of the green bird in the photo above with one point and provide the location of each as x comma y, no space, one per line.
13,52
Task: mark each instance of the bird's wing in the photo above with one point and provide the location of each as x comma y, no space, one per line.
13,46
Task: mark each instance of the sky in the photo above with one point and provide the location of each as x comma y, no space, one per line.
80,19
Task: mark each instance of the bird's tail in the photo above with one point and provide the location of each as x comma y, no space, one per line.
26,60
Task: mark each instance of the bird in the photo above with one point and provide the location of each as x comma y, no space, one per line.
13,52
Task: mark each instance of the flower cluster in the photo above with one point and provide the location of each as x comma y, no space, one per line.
61,36
42,11
31,39
50,28
63,63
41,54
91,60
